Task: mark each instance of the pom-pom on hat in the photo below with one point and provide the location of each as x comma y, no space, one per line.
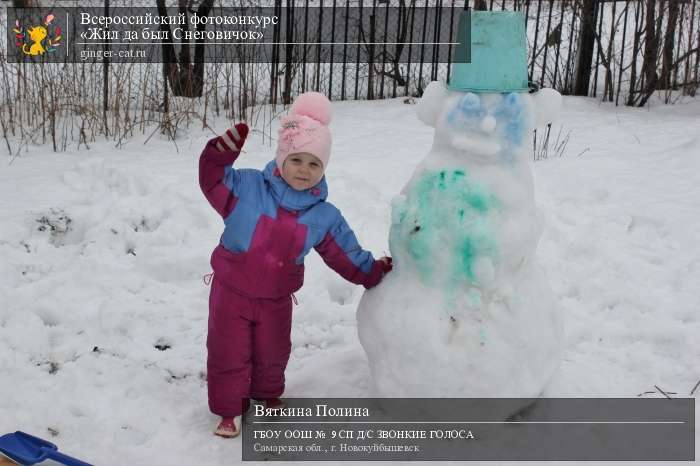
305,129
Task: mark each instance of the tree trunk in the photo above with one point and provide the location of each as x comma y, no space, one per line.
651,53
586,42
186,79
669,44
608,91
631,95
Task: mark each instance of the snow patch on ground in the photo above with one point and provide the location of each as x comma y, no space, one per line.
103,309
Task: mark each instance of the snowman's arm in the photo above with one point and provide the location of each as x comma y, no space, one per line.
217,178
340,250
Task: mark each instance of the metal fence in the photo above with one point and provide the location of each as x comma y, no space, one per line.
608,49
618,51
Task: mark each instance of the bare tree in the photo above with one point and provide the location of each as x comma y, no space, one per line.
669,44
651,51
586,43
186,79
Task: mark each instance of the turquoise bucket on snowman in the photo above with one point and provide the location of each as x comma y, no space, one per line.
498,53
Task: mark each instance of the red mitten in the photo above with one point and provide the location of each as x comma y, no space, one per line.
387,264
233,138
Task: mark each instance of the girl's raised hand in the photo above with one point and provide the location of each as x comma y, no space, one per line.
233,138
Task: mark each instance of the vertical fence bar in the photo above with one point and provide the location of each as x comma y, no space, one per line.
370,61
397,59
345,50
609,70
317,86
288,51
386,29
436,40
697,65
105,82
635,51
534,47
357,63
622,54
527,14
569,56
546,42
304,46
275,55
449,49
332,59
690,47
642,45
422,48
527,23
560,27
600,12
674,81
410,45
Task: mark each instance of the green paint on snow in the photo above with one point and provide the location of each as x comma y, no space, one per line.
467,254
444,222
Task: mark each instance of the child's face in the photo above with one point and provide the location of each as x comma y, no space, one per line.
302,170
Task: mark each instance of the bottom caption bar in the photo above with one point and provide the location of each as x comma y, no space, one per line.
469,429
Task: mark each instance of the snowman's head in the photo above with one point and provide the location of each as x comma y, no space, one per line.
492,126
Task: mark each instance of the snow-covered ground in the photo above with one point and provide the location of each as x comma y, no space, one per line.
103,309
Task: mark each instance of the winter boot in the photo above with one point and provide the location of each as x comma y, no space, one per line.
229,427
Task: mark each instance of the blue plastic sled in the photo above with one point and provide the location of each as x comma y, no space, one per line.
27,449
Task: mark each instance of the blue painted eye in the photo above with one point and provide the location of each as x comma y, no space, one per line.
512,104
469,108
469,103
512,119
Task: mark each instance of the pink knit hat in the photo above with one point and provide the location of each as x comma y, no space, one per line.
305,129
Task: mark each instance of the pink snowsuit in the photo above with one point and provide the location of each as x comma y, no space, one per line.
258,264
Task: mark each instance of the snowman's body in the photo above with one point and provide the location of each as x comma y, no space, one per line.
467,312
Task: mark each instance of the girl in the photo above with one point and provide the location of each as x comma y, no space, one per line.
272,220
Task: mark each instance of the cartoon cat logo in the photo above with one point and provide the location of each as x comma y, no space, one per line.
37,35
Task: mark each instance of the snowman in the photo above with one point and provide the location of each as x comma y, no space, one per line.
468,311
